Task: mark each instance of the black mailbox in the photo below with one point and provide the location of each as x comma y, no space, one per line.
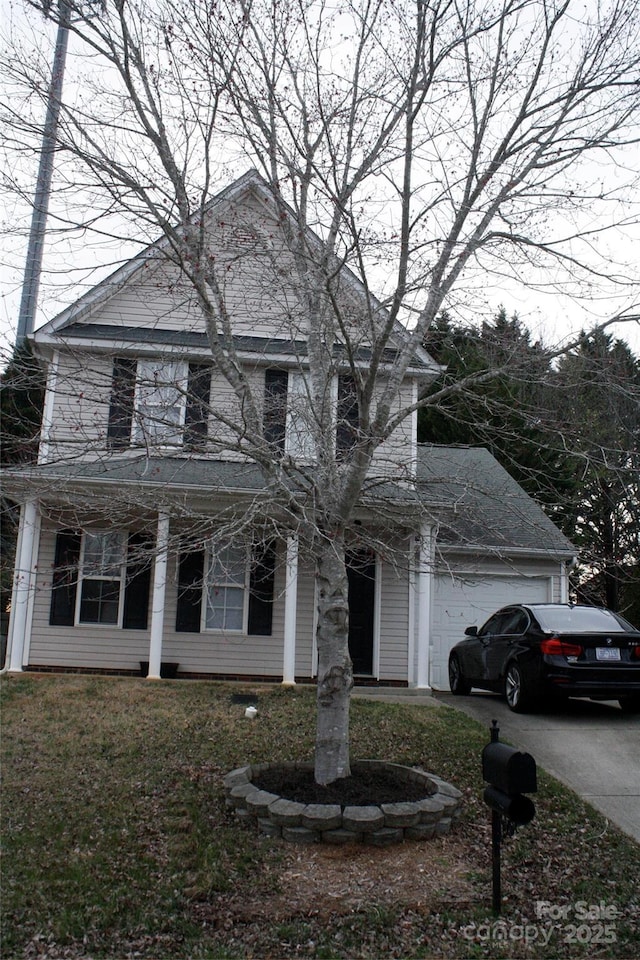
508,769
510,773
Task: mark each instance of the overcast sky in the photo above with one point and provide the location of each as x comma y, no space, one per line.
74,261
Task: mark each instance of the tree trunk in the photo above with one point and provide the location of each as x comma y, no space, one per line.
335,675
611,578
610,570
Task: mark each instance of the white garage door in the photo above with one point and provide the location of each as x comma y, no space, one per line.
460,602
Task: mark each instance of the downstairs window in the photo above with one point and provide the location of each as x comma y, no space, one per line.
226,588
101,577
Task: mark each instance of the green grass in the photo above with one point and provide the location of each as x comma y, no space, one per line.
117,841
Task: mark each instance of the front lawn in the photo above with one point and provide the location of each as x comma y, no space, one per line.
117,842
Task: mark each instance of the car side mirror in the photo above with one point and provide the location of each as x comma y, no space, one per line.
471,632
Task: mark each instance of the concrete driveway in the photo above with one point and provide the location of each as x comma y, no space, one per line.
591,747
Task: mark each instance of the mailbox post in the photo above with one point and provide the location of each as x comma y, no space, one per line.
510,774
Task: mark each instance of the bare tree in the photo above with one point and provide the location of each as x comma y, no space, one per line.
427,147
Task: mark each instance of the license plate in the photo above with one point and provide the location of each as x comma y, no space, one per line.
607,653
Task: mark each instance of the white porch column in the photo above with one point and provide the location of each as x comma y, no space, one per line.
22,585
290,612
424,587
158,597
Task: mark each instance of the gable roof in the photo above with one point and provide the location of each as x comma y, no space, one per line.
105,289
71,324
485,504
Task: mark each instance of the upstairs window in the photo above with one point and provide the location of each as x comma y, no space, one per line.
158,402
300,442
287,414
288,417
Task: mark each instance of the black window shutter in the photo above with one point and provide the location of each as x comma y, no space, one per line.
123,387
275,407
197,409
65,579
261,585
138,582
348,416
190,574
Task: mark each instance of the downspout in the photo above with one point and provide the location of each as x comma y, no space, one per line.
425,599
566,567
290,613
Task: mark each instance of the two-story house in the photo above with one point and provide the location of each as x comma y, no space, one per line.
143,457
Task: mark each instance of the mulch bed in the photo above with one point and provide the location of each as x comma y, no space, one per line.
361,788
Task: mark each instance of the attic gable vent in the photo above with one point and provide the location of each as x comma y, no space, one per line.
241,236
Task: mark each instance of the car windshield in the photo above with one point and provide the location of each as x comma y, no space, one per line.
580,620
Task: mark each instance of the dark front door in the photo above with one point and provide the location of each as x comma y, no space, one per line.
361,573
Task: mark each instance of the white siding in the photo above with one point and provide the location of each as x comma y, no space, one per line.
225,409
154,300
224,652
465,593
253,269
394,623
82,646
393,458
113,648
206,652
80,412
305,621
211,652
80,409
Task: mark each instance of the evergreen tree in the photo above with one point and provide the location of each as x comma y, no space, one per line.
599,383
511,413
21,397
569,434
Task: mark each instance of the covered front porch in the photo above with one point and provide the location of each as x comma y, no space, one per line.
391,613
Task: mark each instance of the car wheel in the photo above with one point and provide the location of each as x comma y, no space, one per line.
630,704
517,689
459,686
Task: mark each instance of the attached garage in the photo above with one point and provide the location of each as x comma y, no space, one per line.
463,599
493,545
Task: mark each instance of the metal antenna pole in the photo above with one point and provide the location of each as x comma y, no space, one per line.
33,267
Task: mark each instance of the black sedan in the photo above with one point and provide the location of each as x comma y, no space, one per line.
542,651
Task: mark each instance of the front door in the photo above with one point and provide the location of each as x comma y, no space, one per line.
361,573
